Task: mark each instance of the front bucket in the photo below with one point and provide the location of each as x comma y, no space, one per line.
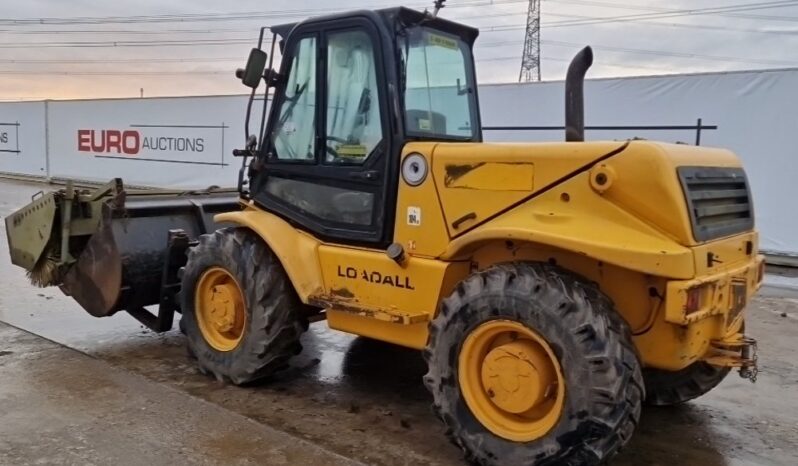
112,249
95,280
126,264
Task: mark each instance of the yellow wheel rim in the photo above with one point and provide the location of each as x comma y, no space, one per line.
220,309
511,380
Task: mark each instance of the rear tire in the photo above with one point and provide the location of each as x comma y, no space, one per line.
593,345
274,321
665,388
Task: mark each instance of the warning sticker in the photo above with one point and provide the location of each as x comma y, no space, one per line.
414,216
441,41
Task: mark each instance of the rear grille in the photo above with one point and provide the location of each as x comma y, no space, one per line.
719,201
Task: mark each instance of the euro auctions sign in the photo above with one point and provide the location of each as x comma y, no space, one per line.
156,143
172,142
9,137
109,141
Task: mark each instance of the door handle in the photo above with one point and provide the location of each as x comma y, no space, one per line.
369,175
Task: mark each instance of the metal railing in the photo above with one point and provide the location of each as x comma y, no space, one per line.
698,128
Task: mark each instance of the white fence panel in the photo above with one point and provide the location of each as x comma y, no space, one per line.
175,142
22,141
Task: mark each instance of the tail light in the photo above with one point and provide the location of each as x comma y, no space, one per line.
694,296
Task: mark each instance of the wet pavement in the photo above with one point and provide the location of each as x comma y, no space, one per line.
62,407
346,397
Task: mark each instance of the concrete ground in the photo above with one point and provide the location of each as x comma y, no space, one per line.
79,390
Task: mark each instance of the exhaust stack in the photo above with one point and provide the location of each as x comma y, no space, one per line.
574,95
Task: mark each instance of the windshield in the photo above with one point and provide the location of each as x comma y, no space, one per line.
439,93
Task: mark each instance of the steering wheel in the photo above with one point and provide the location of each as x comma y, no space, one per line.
331,151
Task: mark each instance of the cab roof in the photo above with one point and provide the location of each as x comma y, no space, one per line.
392,17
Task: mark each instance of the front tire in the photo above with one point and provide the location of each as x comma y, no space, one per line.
665,388
241,315
513,324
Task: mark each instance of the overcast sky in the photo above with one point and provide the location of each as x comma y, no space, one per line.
55,49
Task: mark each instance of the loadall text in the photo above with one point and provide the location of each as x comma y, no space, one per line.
376,277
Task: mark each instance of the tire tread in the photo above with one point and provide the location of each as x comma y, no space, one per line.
592,316
272,337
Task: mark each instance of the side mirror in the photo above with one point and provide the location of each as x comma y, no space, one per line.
253,73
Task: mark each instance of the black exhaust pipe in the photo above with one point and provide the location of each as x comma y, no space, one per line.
574,95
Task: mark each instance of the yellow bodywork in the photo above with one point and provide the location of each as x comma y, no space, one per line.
613,212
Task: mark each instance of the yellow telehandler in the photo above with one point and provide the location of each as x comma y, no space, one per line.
552,287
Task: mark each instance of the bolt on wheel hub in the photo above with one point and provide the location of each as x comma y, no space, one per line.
516,376
223,307
511,380
220,309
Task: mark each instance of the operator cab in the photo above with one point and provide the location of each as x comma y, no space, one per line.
352,90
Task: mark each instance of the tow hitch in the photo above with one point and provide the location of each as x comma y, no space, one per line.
737,351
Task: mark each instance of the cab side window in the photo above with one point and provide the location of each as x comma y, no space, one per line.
327,152
294,134
353,109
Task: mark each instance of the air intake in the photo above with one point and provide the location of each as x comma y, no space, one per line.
719,201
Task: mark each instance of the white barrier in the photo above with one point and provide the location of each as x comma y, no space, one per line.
187,142
22,139
178,142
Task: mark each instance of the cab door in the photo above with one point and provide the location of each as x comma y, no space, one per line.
327,151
